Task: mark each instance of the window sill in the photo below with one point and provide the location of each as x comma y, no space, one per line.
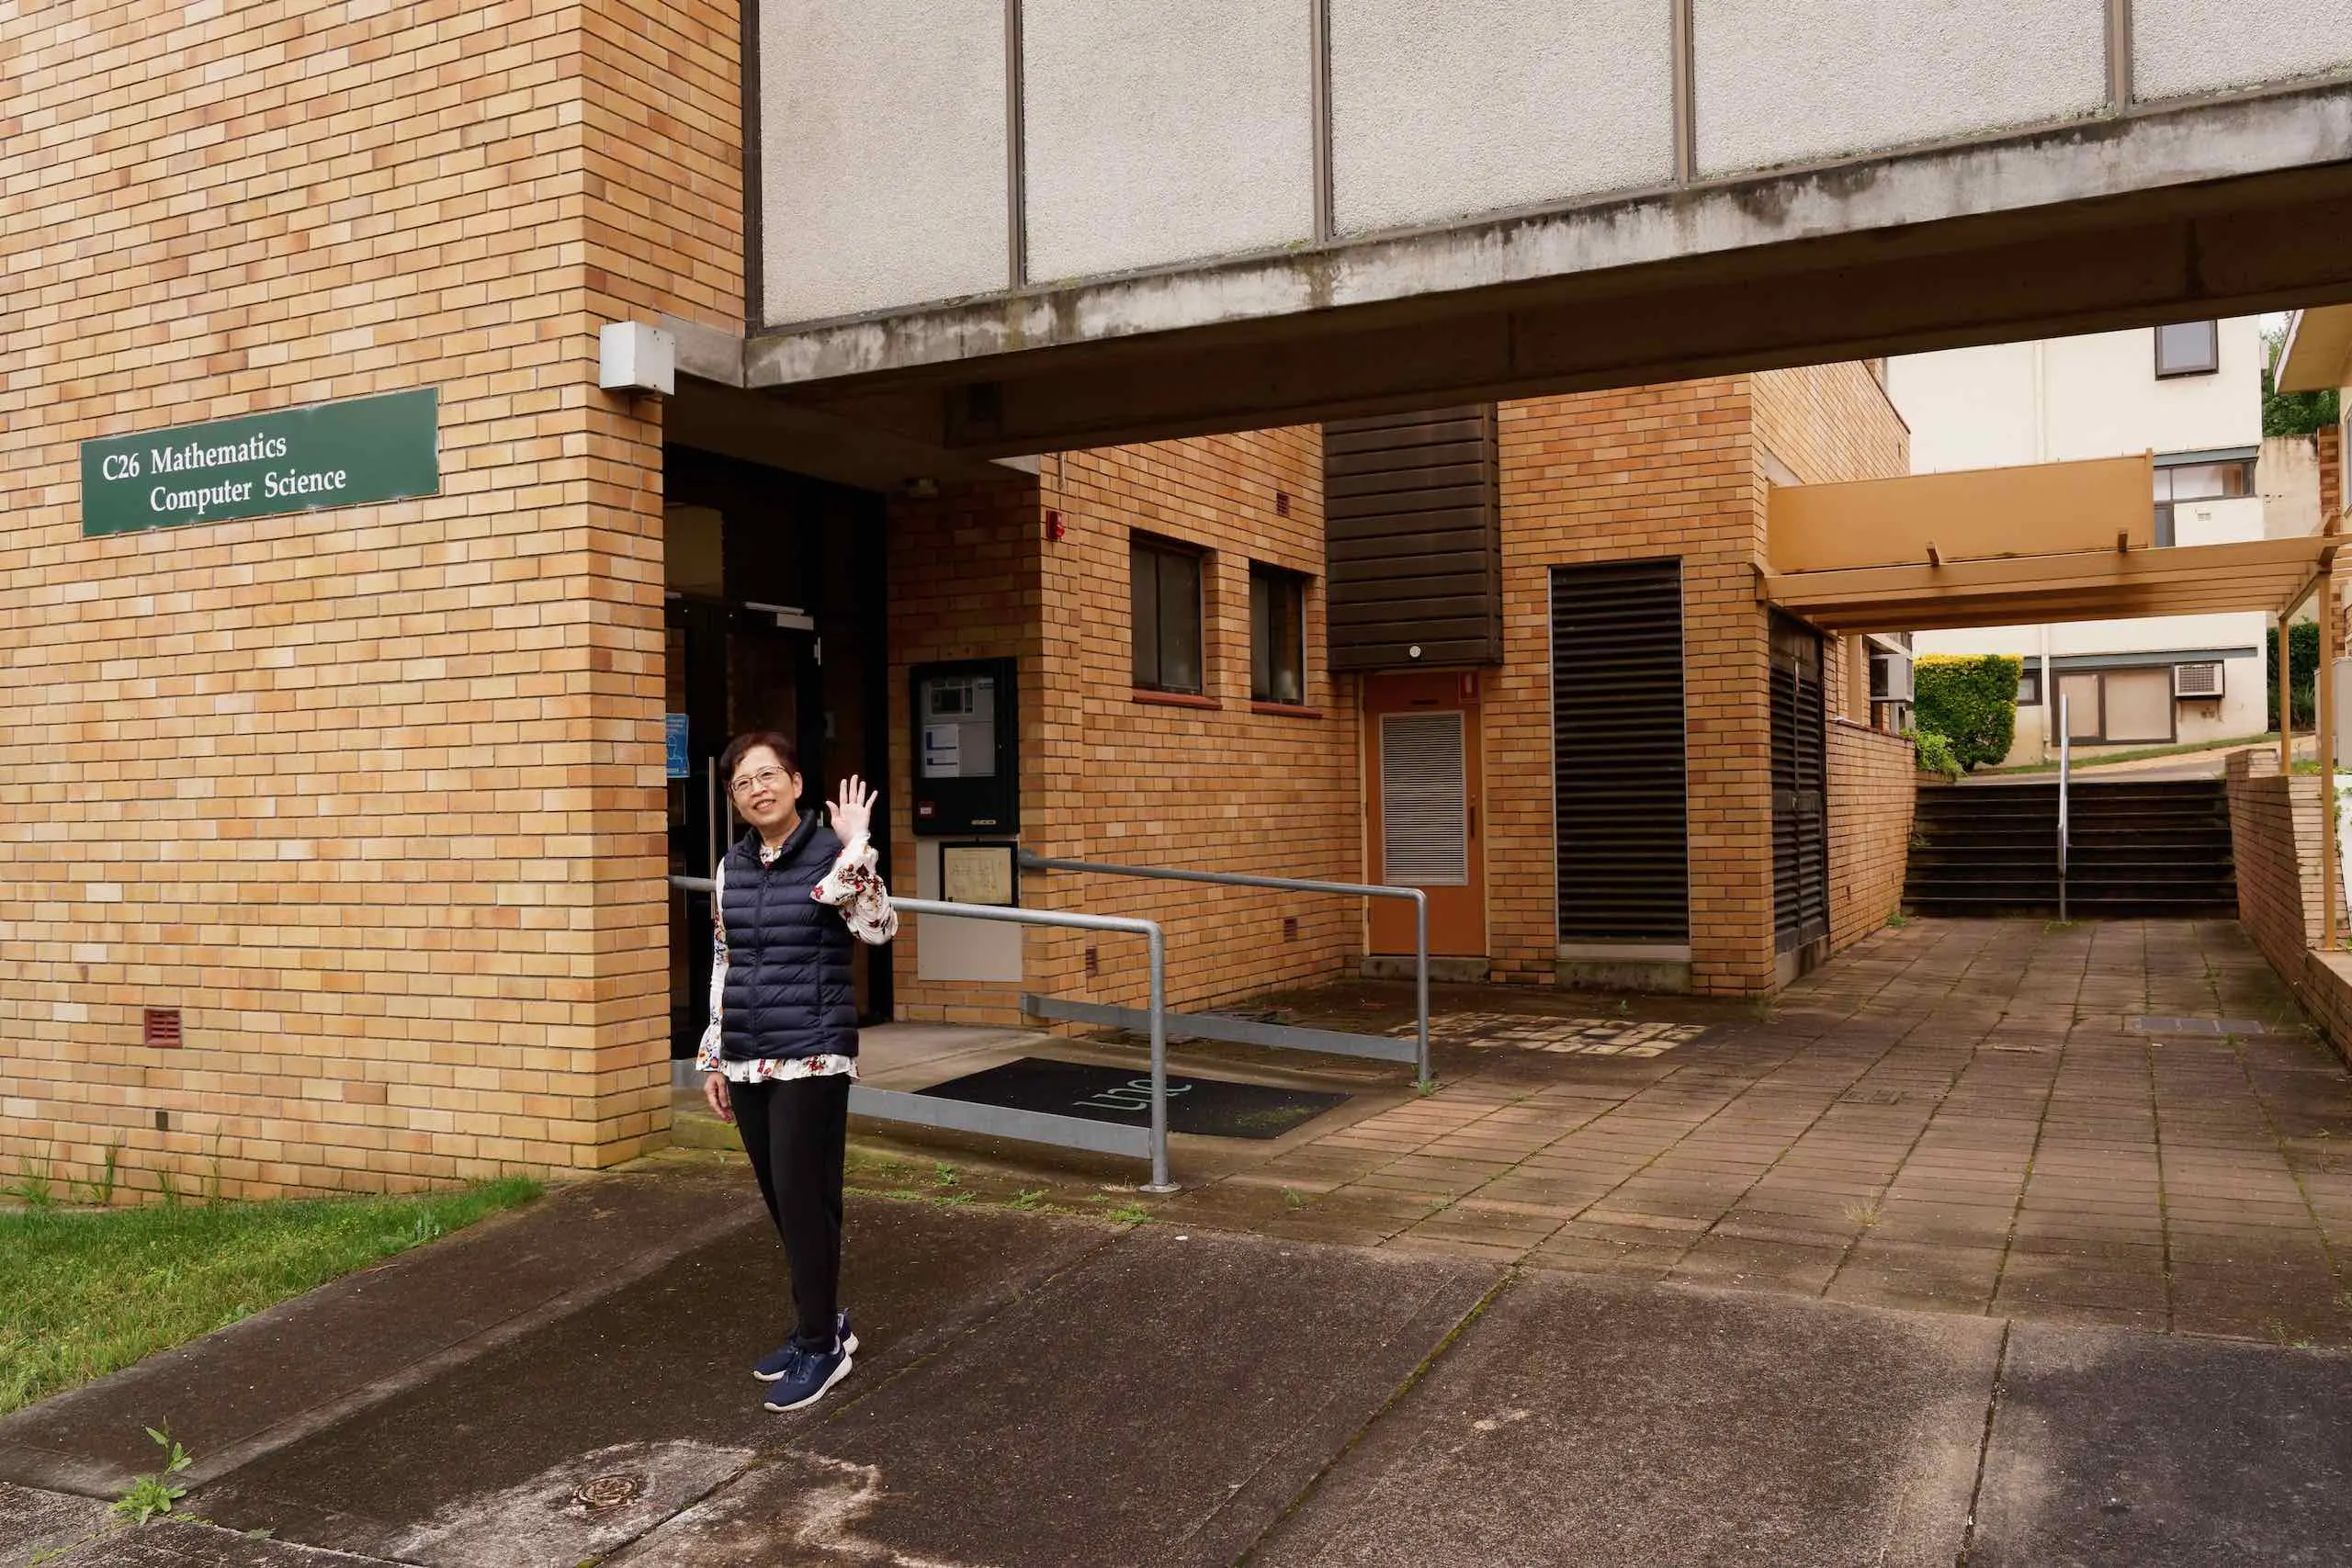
1286,710
1174,699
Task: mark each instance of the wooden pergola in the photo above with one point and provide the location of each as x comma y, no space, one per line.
2032,544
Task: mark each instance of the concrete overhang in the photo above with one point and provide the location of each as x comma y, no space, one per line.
2161,213
2317,355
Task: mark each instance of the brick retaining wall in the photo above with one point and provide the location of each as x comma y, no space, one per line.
2274,830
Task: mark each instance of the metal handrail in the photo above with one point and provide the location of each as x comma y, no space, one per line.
1032,862
2066,763
1153,937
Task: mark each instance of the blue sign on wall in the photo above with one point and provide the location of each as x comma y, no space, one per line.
673,740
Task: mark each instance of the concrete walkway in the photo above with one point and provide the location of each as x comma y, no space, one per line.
1991,1242
1041,1389
2118,1123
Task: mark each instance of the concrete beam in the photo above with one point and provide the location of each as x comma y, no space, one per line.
2218,209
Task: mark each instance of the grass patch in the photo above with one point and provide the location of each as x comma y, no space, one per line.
2101,759
86,1291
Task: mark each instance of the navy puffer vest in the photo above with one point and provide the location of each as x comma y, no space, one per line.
788,991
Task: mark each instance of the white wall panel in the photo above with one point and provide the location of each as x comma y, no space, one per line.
2198,45
1441,111
1159,132
882,136
1795,80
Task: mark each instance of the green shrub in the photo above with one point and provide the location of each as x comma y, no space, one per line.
2303,670
1936,755
1971,700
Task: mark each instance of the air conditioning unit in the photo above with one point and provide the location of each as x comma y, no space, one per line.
1890,676
2199,680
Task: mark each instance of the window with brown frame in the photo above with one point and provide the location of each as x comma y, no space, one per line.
1164,585
1277,634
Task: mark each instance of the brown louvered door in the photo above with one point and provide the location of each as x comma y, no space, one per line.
1799,788
1620,799
1421,798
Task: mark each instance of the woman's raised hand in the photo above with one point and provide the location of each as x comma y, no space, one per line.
853,809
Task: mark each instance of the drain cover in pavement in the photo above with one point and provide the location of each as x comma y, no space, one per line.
2196,1026
1218,1108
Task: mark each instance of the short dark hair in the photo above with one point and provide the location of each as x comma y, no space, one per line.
752,741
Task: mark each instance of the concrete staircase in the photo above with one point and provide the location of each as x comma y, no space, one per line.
2160,848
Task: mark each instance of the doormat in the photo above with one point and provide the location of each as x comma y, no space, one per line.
1215,1108
1561,1036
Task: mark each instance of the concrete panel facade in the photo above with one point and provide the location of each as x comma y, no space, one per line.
1796,81
1159,134
2200,46
2063,398
1440,111
882,154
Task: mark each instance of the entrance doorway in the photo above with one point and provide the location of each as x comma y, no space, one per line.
773,613
1421,794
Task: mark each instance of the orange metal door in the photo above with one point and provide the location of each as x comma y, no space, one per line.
1422,798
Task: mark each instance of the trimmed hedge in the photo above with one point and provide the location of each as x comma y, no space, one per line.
1971,700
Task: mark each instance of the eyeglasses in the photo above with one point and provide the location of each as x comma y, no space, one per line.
771,778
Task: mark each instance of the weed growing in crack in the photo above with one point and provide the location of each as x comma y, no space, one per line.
152,1497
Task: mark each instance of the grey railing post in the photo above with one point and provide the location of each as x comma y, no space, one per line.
1324,1040
896,1105
1159,1182
2065,764
1422,985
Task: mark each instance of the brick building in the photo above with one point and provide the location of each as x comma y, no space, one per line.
338,836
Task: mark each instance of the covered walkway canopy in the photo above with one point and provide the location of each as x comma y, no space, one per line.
2013,546
2035,544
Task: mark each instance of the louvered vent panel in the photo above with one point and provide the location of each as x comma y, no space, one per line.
1414,538
1622,827
1424,801
2203,680
1800,787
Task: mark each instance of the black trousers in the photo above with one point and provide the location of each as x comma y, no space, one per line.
795,1130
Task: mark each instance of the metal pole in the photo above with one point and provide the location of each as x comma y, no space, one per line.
2324,712
1421,984
1159,1181
2286,703
2066,763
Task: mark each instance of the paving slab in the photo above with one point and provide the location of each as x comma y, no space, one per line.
481,1467
34,1523
2138,1452
1591,1421
235,1393
1163,1404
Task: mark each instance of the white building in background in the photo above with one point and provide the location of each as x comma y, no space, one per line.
2192,395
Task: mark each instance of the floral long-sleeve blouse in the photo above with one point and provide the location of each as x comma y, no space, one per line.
854,888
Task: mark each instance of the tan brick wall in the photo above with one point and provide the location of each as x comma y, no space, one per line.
1676,471
1108,776
370,794
2275,832
964,583
2274,838
1873,786
1639,474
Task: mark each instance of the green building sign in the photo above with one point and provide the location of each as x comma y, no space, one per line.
339,454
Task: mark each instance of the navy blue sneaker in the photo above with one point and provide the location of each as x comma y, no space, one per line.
772,1365
808,1375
